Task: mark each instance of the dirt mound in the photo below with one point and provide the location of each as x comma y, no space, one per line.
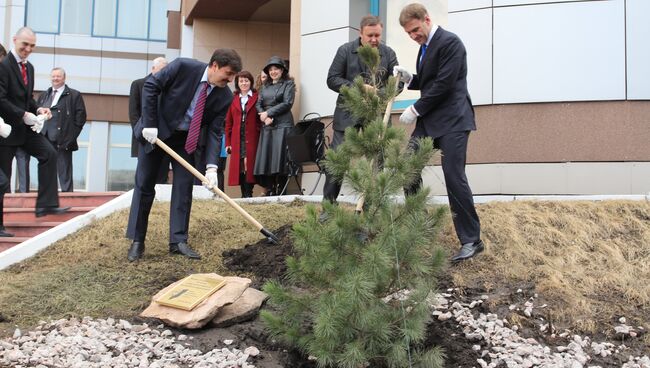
262,259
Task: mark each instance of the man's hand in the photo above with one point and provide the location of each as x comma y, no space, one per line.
369,88
29,118
212,177
5,129
264,116
44,111
402,74
150,134
40,121
268,121
409,116
228,149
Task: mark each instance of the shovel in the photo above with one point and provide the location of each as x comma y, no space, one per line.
389,108
269,235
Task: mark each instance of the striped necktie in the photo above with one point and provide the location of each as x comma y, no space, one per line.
195,124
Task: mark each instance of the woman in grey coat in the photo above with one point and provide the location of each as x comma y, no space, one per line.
274,107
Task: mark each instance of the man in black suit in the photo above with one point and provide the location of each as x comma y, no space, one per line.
443,112
184,105
68,119
135,111
18,109
345,67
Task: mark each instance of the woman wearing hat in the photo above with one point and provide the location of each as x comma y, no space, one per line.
274,107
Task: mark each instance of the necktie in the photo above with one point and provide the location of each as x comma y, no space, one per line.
195,124
23,69
424,50
52,97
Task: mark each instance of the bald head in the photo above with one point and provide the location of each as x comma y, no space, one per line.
24,42
158,64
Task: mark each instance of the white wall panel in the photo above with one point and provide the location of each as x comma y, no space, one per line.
475,30
579,55
81,42
523,2
43,64
82,72
117,75
318,16
459,5
638,49
317,53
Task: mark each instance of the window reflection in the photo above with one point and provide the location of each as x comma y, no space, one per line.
121,166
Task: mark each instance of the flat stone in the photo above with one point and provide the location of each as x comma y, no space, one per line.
242,309
202,313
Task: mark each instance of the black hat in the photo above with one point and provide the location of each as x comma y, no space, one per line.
276,61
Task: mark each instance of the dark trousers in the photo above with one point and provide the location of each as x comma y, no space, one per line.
453,147
37,146
4,188
22,170
63,167
246,188
332,188
144,193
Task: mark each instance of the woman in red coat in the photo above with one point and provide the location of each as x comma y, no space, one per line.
242,134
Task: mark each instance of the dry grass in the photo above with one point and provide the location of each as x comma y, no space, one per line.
590,261
86,273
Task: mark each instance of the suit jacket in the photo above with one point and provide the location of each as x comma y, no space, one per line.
135,110
444,104
346,66
71,112
15,99
167,95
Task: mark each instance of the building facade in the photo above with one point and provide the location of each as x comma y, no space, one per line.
561,88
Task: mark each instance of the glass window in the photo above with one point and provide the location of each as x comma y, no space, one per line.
80,159
133,19
43,16
121,166
104,18
76,16
158,26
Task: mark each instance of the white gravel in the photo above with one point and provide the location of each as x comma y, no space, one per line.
111,343
500,344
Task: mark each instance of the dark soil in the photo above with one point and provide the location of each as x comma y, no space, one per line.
264,262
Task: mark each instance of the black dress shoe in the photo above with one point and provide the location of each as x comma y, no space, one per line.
4,233
136,251
184,249
468,250
42,211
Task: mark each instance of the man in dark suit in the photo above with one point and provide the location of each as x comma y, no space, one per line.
443,112
18,109
345,67
184,105
135,111
68,119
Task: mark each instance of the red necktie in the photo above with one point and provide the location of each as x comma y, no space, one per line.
195,124
23,69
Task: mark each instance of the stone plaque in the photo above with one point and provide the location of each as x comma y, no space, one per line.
191,291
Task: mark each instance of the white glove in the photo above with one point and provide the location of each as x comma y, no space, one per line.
409,116
5,129
150,134
402,74
213,178
30,119
40,121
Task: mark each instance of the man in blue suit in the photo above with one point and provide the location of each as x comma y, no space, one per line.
184,105
443,112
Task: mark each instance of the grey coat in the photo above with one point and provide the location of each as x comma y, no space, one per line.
345,67
277,100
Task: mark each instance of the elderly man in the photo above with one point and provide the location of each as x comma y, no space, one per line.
68,119
18,109
185,101
345,67
443,112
